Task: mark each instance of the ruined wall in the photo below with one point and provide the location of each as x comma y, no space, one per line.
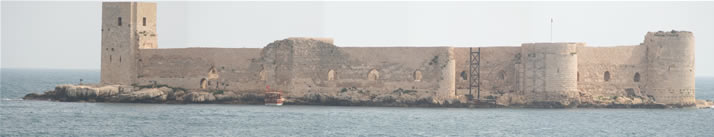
303,66
670,69
625,66
214,68
145,22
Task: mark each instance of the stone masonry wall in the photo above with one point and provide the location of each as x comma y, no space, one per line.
625,65
118,43
549,72
498,70
221,68
661,69
671,68
304,67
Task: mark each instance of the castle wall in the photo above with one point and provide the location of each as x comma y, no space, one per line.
622,63
498,70
320,67
660,69
222,68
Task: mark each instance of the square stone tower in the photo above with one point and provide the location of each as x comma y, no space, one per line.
126,28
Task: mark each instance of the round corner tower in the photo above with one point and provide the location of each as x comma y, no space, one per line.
670,71
550,72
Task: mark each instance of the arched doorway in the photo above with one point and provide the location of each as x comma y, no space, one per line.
203,83
373,74
417,76
331,75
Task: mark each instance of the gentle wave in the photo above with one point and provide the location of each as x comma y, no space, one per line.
11,99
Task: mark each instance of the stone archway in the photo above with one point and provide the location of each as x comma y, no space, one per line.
331,75
204,83
373,74
263,75
417,76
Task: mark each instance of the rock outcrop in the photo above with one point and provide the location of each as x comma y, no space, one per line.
345,97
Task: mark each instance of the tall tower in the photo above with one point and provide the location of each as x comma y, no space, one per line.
670,71
126,28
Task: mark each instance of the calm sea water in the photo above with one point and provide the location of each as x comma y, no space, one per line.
44,118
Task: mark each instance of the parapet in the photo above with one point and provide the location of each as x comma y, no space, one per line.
326,40
668,35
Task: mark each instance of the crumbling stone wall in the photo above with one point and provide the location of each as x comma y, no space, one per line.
222,68
305,66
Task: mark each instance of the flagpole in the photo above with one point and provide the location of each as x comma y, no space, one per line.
551,30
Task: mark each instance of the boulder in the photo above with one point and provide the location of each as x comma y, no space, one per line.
199,97
143,95
704,104
87,91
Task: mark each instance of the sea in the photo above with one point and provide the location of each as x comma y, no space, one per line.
46,118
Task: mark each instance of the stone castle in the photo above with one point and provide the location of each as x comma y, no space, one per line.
659,70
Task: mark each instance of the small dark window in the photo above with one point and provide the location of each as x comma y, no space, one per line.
637,77
144,20
463,75
502,75
110,58
607,76
119,21
119,59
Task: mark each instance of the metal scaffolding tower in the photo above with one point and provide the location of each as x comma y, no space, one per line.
474,69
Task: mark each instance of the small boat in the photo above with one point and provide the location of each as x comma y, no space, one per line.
273,98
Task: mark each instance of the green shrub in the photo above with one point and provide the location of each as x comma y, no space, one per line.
217,92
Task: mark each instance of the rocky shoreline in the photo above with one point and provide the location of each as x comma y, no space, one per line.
169,95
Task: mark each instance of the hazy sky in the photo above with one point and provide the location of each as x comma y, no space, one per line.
67,34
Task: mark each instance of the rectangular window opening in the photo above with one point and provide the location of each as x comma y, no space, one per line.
119,21
144,21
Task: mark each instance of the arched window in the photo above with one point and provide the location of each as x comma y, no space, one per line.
417,75
607,76
637,77
578,79
331,75
373,74
263,74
